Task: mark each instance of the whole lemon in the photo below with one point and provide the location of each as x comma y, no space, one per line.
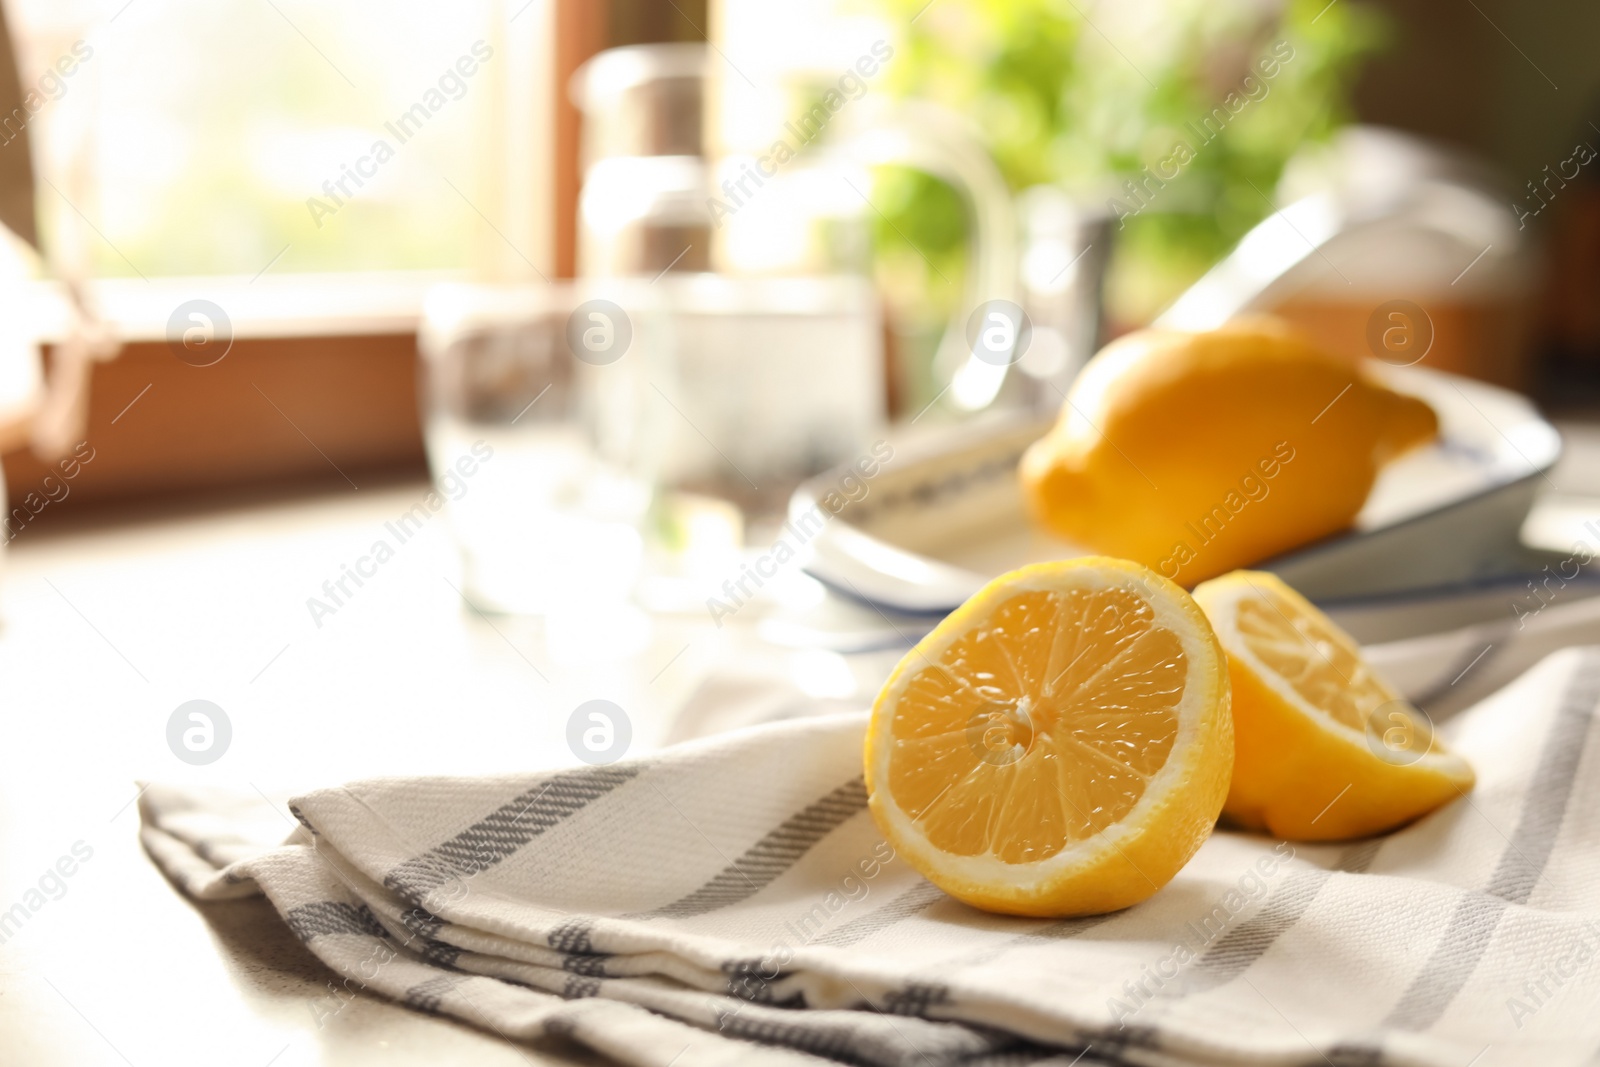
1199,453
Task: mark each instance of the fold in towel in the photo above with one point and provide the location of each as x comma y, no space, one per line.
730,901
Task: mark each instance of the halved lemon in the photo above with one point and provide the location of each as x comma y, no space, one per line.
1324,748
1059,745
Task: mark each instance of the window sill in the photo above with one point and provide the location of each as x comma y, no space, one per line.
317,387
266,306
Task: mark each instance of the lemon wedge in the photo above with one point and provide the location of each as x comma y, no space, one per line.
1324,748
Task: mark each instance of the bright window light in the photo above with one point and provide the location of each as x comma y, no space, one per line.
230,136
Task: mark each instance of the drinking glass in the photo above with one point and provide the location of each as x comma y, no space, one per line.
531,397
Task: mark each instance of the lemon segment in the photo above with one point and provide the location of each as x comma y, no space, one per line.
1324,749
1059,745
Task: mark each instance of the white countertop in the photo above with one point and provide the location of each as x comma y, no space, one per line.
103,633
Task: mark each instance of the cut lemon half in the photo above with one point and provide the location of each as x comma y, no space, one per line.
1059,745
1324,748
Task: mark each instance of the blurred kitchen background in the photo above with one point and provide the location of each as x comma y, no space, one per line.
669,259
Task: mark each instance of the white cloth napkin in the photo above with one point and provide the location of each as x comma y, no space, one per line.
730,901
1448,671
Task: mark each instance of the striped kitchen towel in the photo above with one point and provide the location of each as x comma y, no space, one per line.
730,901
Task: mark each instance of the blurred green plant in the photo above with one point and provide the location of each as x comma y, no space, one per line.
1087,95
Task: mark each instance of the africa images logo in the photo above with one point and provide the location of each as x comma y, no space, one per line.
1208,527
